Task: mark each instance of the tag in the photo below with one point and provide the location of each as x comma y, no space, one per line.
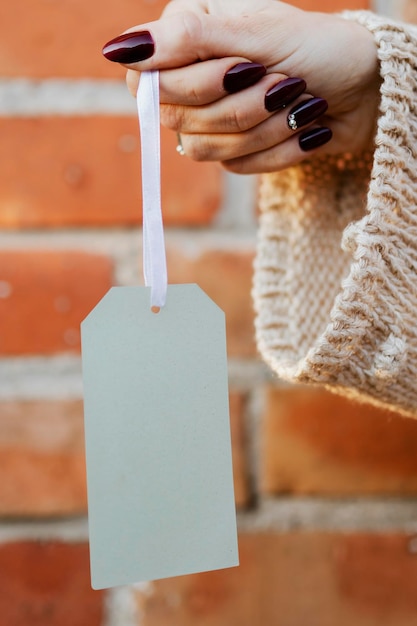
159,465
159,469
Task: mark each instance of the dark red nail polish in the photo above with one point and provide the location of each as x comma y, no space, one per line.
283,93
314,138
243,75
130,47
306,112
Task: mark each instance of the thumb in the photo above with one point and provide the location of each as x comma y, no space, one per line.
183,38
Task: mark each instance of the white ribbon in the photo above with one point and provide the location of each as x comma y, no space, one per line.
154,260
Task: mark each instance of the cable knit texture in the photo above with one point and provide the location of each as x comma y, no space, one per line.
335,285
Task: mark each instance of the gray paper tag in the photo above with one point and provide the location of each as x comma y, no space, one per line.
159,469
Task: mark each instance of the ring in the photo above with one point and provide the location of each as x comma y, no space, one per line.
179,147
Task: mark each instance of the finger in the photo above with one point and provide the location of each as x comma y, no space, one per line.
169,42
232,114
267,134
185,37
287,154
226,146
179,6
203,83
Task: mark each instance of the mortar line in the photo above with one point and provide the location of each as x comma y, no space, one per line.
281,515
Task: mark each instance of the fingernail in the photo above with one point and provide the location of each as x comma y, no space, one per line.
283,93
243,75
314,138
130,47
306,112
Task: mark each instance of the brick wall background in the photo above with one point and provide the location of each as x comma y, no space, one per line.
325,490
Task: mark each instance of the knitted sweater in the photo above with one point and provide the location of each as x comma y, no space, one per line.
335,285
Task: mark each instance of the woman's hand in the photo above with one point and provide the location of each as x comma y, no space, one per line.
232,72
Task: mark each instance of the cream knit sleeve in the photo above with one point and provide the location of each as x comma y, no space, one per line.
335,285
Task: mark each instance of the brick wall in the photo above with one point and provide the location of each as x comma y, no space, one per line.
325,490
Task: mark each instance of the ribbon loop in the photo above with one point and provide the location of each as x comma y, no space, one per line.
154,258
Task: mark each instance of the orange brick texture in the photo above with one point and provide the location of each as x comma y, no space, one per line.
46,295
70,216
85,171
47,584
231,293
42,447
295,579
317,443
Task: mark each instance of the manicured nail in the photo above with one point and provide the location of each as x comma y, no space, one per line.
306,112
314,138
130,47
243,75
283,93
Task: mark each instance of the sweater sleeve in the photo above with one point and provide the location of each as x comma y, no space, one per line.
335,284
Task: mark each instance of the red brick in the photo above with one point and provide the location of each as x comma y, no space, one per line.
239,450
42,458
86,171
317,442
47,584
44,297
45,39
52,40
226,277
295,579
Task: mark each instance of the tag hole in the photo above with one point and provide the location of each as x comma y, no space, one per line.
155,309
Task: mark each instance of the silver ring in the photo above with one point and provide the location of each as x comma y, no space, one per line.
180,148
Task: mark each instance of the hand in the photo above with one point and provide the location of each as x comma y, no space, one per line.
198,44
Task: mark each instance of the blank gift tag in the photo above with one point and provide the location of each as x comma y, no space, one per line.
159,469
